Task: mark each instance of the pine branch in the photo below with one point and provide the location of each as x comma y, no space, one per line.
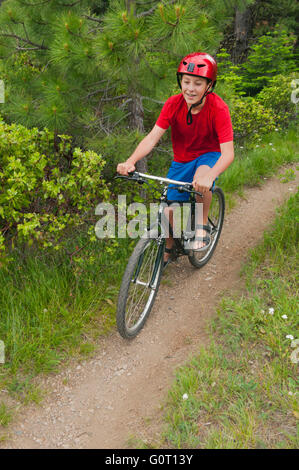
147,13
100,91
151,99
91,18
18,48
70,4
90,31
114,98
161,149
37,46
121,119
151,10
35,4
125,103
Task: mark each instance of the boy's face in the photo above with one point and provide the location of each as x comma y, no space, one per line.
193,88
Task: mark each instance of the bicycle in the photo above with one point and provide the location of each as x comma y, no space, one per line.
141,280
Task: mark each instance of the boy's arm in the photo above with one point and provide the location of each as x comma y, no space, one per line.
226,158
204,183
144,148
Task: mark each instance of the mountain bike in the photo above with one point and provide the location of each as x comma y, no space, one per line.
142,277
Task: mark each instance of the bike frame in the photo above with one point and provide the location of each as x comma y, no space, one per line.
161,218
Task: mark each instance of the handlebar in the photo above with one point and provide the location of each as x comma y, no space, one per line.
142,177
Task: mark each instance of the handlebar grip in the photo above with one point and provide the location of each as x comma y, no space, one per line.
130,173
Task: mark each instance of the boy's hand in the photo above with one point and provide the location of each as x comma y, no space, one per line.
203,184
125,168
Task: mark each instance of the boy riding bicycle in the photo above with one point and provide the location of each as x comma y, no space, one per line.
202,139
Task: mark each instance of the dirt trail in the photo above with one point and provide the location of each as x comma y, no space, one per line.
117,394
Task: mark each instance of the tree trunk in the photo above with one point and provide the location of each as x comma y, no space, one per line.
243,26
136,106
136,123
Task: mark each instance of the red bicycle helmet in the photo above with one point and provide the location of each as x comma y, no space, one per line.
198,64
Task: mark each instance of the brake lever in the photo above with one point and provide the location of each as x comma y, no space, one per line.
132,176
183,189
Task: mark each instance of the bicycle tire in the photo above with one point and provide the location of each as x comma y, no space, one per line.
199,259
148,253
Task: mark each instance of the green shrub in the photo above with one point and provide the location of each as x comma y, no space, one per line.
277,97
270,56
229,77
251,119
43,192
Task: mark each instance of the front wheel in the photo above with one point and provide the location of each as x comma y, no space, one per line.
215,220
140,284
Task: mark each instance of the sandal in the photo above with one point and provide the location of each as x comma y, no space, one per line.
206,239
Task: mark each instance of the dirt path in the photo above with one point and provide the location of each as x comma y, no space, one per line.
102,402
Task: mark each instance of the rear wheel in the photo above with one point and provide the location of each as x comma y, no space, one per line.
215,220
140,284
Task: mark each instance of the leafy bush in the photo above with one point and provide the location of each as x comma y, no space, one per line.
277,96
229,76
271,55
44,192
251,119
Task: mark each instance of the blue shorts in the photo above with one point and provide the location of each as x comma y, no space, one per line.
185,172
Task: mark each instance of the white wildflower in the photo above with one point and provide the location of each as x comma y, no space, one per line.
257,145
290,393
289,336
270,143
271,310
277,130
295,343
284,316
185,396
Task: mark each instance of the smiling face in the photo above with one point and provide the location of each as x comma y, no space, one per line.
193,88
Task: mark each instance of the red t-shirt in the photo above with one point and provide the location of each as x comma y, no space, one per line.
210,127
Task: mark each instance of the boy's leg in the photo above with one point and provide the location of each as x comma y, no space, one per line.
168,211
179,172
206,201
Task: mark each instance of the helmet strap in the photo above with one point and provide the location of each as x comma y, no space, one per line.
189,115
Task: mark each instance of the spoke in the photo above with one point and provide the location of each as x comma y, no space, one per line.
140,291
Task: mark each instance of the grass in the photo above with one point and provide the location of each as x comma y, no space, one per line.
5,415
250,167
54,308
242,391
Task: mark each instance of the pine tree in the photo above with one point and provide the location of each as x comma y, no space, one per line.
49,60
88,68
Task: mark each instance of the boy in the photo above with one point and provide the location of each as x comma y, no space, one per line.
202,139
